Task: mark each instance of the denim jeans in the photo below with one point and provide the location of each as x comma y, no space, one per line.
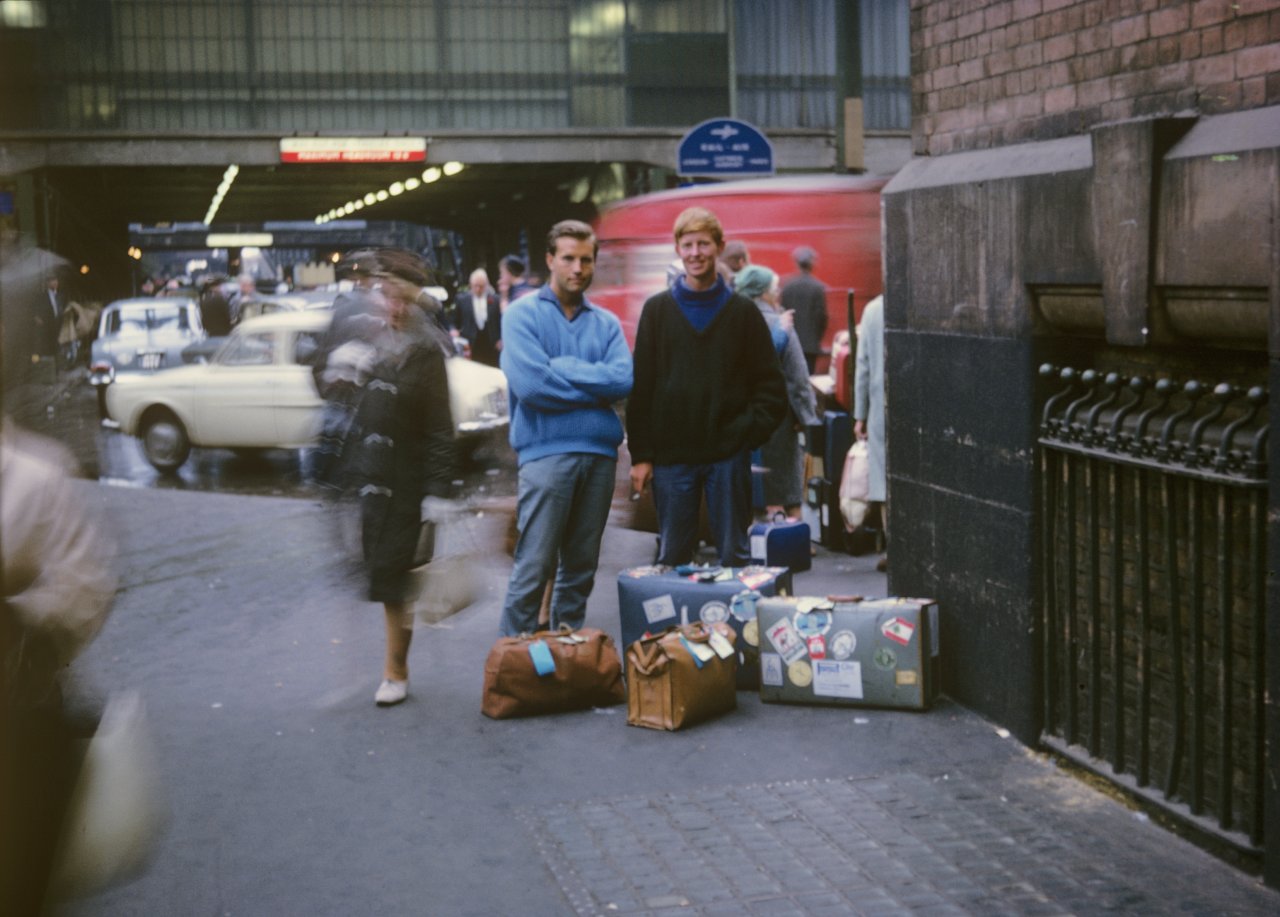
563,504
677,492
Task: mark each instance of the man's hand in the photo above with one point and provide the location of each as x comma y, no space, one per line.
787,320
860,429
641,476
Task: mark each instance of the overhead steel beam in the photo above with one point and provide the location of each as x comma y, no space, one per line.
794,150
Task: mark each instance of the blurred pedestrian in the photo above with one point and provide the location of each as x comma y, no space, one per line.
806,296
511,281
782,455
343,361
405,454
246,292
480,318
708,389
868,407
736,255
58,587
47,318
215,311
567,366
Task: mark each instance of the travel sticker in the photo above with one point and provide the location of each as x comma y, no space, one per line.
843,644
743,606
786,640
886,658
817,647
659,608
714,612
905,677
833,678
899,630
751,633
813,623
771,669
800,673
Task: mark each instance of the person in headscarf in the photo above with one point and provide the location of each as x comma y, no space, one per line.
782,454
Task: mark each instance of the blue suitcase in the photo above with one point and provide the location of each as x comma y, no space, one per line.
782,543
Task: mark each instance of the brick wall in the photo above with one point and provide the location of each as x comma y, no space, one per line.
988,73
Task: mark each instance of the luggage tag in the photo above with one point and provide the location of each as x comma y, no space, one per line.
723,648
701,654
543,662
570,639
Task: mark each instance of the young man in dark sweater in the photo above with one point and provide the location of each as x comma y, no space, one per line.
708,389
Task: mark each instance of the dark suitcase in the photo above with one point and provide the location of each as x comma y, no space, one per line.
856,653
781,543
832,520
651,599
838,437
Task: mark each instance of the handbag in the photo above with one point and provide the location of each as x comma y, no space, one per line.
551,672
855,487
680,677
443,562
116,815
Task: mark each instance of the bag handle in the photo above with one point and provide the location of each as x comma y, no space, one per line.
647,655
849,599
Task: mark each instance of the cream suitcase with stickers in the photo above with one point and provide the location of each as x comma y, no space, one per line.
849,652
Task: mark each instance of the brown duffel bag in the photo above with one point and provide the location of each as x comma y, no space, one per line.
680,677
582,670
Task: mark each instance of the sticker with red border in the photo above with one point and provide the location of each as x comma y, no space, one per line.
817,647
899,630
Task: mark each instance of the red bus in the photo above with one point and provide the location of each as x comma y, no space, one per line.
838,216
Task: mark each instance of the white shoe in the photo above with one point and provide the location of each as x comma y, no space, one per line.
391,692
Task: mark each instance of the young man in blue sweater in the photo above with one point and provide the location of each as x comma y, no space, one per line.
708,389
567,365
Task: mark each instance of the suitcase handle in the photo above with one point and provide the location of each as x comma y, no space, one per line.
851,599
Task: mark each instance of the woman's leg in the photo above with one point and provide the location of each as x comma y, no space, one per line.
399,636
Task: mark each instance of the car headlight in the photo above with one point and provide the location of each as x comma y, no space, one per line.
124,358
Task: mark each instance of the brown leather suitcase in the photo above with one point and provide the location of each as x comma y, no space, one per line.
669,687
587,673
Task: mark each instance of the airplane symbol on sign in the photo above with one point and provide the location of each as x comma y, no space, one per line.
725,132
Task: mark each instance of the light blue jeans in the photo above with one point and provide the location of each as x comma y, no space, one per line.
562,506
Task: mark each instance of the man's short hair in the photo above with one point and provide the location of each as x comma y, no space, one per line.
804,257
736,247
478,272
514,264
699,219
571,229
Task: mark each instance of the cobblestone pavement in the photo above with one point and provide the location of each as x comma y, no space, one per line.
1032,842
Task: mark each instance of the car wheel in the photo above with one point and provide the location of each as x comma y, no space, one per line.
165,442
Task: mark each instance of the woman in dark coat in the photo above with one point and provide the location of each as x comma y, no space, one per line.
406,454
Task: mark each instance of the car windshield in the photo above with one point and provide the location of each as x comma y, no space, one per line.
147,317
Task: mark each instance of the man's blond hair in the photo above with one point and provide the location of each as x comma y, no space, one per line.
699,219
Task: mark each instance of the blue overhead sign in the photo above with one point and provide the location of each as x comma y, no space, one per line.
724,147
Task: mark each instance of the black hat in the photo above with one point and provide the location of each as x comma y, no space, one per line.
399,262
359,263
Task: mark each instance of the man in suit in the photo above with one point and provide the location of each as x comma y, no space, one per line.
47,318
480,318
806,296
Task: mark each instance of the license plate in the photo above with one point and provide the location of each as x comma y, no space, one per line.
151,360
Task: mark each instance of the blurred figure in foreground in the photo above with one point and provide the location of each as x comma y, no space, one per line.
405,453
58,588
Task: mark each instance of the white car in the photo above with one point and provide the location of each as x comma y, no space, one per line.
257,393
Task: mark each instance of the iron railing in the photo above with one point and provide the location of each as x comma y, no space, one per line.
1153,532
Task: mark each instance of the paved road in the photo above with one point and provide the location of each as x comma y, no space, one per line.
292,794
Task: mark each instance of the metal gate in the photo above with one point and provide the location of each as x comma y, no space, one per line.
1153,532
